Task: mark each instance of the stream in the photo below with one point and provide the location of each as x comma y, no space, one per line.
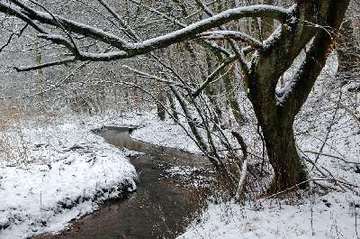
164,203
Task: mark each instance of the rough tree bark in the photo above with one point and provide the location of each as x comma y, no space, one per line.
276,112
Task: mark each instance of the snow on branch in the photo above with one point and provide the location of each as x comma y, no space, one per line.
192,30
69,25
215,35
128,49
9,10
38,20
44,65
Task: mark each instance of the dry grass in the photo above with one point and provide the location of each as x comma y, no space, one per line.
13,147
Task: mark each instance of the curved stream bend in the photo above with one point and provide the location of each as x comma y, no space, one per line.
161,207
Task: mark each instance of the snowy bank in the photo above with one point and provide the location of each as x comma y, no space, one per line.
67,172
319,214
328,136
150,129
330,216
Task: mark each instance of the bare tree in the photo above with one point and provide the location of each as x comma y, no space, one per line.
348,49
308,26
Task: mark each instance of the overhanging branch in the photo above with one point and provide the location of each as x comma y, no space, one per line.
186,33
44,65
216,35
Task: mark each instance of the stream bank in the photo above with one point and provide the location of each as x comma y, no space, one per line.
166,200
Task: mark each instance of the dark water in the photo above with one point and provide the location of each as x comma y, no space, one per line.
160,208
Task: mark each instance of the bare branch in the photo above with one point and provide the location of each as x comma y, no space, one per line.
215,35
60,40
7,42
239,52
69,25
18,34
128,31
9,10
244,168
145,74
212,76
75,48
48,64
186,33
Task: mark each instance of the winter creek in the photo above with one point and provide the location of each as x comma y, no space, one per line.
161,207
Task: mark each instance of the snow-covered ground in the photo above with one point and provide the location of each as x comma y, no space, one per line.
150,129
70,171
317,214
63,173
332,215
166,134
327,133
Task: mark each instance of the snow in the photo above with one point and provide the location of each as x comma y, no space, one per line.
67,173
211,22
188,175
330,216
316,214
67,151
52,198
165,134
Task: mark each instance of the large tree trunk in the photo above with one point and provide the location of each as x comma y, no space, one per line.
275,111
289,169
276,122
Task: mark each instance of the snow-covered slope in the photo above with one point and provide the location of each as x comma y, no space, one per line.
67,173
320,215
330,216
328,134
